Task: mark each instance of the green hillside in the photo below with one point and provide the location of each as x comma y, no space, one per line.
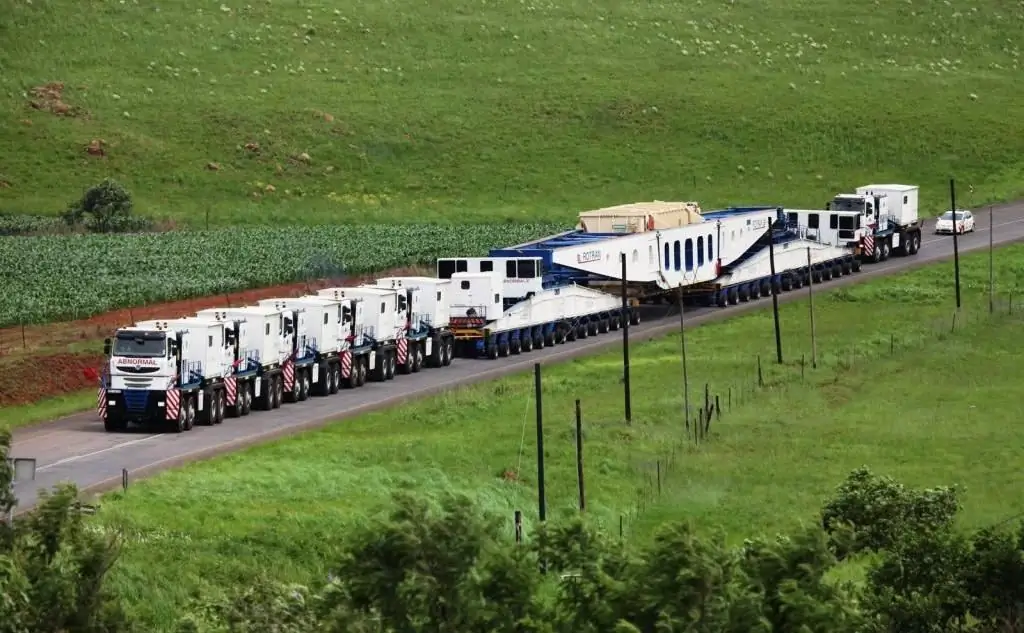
454,110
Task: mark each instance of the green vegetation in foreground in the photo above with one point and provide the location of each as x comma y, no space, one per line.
457,110
48,409
76,276
766,468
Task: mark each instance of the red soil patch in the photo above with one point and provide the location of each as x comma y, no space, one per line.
31,379
20,376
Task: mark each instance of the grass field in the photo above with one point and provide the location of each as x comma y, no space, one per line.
893,390
456,110
48,409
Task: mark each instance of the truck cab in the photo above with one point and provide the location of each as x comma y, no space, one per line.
142,356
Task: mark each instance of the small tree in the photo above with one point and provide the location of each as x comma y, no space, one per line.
105,208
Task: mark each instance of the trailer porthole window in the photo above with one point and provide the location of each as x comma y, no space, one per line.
326,316
636,256
711,254
650,255
700,251
689,254
211,341
268,329
383,307
667,262
464,285
497,298
678,257
904,199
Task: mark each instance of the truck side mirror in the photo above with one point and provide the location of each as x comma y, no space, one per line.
107,345
229,337
172,347
288,328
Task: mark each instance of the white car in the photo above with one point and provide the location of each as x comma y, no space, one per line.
964,222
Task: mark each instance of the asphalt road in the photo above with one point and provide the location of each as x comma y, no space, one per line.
77,449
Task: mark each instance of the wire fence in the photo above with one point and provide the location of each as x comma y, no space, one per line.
711,404
721,401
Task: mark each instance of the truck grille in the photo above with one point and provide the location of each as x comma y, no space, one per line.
135,400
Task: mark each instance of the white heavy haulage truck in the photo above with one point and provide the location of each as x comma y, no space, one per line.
384,331
271,346
428,329
554,290
167,372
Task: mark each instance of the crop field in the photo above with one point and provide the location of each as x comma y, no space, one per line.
49,278
456,110
913,400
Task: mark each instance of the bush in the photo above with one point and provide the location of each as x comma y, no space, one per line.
105,208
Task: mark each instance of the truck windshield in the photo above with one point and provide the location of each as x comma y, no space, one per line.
848,204
144,345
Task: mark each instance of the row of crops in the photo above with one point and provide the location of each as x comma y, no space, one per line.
62,277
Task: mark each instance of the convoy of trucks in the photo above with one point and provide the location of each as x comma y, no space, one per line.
223,362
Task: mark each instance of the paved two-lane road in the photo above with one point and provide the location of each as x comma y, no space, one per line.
77,449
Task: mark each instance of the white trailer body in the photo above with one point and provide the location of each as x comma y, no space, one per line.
433,303
520,275
265,329
318,321
482,327
386,310
789,256
664,258
901,200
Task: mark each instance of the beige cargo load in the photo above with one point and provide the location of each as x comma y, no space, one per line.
638,217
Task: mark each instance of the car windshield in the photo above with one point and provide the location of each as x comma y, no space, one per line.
139,346
948,216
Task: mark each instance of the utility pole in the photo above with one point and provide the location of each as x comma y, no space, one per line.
810,302
991,265
625,343
775,294
682,352
956,243
579,456
541,504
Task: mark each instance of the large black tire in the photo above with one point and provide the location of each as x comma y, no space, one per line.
180,425
112,424
207,417
418,357
190,406
278,391
335,385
